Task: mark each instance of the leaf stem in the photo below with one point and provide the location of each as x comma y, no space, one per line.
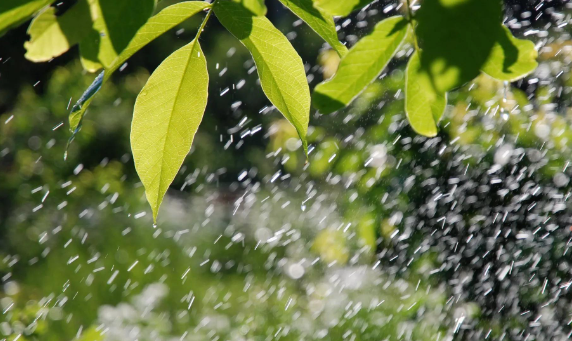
205,20
409,12
411,21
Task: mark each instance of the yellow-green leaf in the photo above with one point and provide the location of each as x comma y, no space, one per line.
115,23
510,58
257,7
167,114
280,68
361,66
51,35
322,23
424,106
14,12
340,7
156,26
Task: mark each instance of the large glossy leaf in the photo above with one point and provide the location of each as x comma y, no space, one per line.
14,12
361,66
319,21
257,7
167,114
115,23
424,106
340,7
156,26
510,58
51,35
457,37
280,68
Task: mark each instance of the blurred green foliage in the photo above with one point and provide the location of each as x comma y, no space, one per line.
79,254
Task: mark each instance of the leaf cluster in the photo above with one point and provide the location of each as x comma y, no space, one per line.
454,40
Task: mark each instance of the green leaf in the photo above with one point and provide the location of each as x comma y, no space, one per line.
361,66
51,35
167,114
456,37
340,7
78,110
280,68
88,56
424,106
257,7
320,22
156,26
15,12
510,58
115,24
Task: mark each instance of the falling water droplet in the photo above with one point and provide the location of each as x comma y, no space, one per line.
504,113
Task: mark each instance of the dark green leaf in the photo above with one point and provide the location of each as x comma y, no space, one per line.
456,37
115,24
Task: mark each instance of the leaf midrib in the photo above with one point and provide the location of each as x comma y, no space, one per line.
161,172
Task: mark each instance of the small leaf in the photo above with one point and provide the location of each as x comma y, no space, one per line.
320,22
280,68
115,23
79,106
15,12
424,107
340,8
511,58
167,114
156,26
51,35
361,66
257,7
456,37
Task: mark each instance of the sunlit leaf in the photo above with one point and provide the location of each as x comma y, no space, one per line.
115,24
257,7
156,26
361,66
511,58
340,7
423,105
14,12
280,68
319,21
167,114
457,37
51,35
